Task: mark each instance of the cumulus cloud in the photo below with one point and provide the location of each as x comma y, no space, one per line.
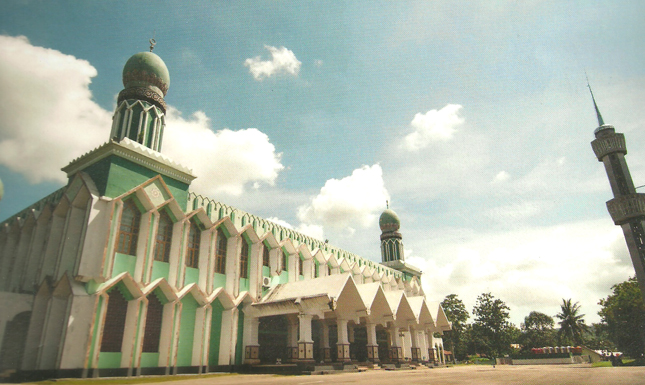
314,231
432,126
501,176
224,161
47,116
354,201
283,61
529,268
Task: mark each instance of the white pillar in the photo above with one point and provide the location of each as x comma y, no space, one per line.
372,345
325,342
414,342
305,343
342,345
292,338
251,344
396,350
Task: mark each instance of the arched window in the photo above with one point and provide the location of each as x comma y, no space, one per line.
285,260
152,332
220,253
300,266
244,259
164,236
129,229
192,252
117,308
265,255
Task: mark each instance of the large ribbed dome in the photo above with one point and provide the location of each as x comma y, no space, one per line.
389,221
146,69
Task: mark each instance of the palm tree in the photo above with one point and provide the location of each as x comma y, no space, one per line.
572,324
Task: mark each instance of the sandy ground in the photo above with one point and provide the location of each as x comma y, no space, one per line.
462,375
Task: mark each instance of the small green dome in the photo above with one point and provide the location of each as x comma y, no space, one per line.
389,221
146,69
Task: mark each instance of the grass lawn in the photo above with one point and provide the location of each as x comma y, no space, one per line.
122,380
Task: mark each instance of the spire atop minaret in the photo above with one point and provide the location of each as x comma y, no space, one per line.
600,121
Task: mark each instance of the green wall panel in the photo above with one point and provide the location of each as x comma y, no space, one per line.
114,176
266,271
149,360
284,277
192,276
244,284
109,360
186,331
216,332
123,263
239,348
219,280
160,269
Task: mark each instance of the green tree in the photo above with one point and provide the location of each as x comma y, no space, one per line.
572,324
623,313
537,331
598,338
491,327
457,314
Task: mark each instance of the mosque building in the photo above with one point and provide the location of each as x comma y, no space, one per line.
126,271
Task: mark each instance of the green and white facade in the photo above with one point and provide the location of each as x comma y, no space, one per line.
126,271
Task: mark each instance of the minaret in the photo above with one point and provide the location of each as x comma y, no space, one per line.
141,109
392,245
391,239
132,154
627,209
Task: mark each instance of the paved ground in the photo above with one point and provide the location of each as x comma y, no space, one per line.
462,375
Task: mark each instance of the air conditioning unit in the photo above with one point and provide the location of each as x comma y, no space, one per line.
266,281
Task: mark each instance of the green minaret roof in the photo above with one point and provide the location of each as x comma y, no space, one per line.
389,221
146,69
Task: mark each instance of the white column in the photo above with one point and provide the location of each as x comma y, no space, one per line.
372,345
251,344
414,341
305,343
292,338
325,342
342,345
396,350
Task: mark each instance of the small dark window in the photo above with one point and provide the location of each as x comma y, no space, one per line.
129,229
114,326
164,237
285,260
220,253
300,266
265,255
192,252
244,259
153,325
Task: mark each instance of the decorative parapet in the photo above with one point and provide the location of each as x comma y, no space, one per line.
51,199
608,145
217,210
626,208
